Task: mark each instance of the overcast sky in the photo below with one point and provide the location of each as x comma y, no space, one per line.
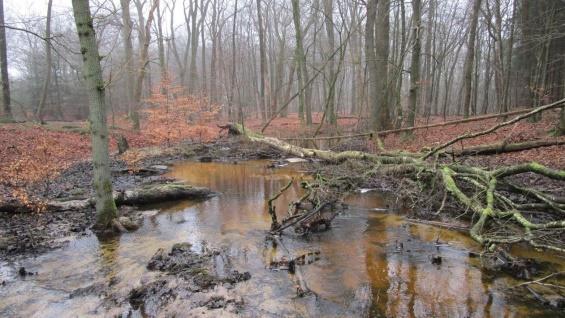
15,8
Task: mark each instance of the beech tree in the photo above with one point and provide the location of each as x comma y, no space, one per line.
106,210
6,109
48,64
415,63
287,56
470,59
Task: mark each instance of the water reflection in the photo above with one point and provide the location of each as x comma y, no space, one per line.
362,247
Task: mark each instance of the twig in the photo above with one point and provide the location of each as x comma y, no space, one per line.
300,219
539,280
274,223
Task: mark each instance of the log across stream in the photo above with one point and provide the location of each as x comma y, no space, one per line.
410,269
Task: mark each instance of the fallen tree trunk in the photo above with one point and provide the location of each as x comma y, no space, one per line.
516,119
162,192
480,192
505,147
140,196
448,123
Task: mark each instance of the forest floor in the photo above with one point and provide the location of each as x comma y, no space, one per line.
32,154
51,162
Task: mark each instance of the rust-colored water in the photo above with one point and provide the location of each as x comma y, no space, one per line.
363,247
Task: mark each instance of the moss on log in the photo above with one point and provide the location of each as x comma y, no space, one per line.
481,192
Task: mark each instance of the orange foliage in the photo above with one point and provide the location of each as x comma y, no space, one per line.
172,116
35,154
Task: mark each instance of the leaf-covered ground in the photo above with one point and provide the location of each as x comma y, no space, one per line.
553,156
32,153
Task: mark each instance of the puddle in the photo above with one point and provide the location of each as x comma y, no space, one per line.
363,247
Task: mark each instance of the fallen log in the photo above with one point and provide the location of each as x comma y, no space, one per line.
383,133
504,147
144,195
494,128
479,192
162,192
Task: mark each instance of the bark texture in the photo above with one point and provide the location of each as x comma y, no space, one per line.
92,73
6,107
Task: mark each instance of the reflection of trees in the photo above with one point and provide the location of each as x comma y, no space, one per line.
406,284
108,251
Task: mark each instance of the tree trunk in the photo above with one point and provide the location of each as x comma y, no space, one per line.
470,59
286,97
143,61
399,66
371,61
6,108
382,117
561,126
415,64
204,82
161,48
331,116
300,62
192,85
428,60
233,78
488,77
262,63
213,58
48,64
105,206
128,50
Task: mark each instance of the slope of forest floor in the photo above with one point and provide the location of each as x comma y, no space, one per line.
33,154
552,156
51,162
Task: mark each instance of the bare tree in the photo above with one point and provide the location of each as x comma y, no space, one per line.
262,64
143,62
381,115
470,59
128,51
106,210
415,63
161,47
371,59
48,64
300,62
6,109
331,116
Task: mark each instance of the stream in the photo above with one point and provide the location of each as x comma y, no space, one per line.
364,247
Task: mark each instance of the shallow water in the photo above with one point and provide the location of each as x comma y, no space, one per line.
363,247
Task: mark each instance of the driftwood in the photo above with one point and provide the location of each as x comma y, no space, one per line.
481,192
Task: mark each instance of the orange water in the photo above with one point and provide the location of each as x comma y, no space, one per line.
363,247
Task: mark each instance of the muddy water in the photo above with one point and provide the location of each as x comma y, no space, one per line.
364,247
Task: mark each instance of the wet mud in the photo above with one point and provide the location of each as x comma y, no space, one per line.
211,258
